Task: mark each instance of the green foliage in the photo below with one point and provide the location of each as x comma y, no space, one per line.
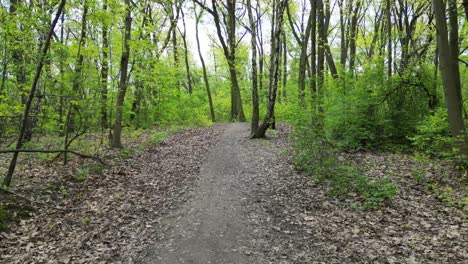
3,218
446,195
318,158
82,174
159,137
432,138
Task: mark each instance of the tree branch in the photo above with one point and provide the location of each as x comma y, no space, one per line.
54,151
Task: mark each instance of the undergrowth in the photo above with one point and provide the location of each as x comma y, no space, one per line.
318,158
3,218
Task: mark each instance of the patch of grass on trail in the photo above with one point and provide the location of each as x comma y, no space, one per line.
318,158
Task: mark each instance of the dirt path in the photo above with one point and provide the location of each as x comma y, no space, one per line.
211,227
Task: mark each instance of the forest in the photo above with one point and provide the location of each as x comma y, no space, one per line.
90,88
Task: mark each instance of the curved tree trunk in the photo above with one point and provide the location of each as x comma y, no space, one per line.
116,137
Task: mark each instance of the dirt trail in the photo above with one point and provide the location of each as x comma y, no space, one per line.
211,227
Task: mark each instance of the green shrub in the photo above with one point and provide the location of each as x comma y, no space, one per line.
432,137
318,158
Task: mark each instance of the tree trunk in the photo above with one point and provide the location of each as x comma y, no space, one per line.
205,75
389,38
321,53
116,137
186,51
285,66
255,107
276,38
229,49
448,55
313,52
104,71
40,64
353,36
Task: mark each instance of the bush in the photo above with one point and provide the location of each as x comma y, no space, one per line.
318,158
432,138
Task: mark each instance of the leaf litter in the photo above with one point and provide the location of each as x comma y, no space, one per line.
113,217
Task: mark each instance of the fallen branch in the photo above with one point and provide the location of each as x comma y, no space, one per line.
37,202
54,151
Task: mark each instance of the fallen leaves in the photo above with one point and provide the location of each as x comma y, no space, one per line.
116,210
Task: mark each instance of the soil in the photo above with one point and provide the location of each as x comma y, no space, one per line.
210,195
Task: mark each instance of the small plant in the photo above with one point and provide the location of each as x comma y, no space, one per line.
159,137
446,195
419,174
86,220
125,153
82,174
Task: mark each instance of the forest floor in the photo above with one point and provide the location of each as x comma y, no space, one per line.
209,195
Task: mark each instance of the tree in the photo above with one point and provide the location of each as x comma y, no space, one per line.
449,67
253,39
229,46
24,120
302,38
278,15
205,75
124,60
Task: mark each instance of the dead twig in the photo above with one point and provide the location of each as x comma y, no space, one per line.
36,202
55,151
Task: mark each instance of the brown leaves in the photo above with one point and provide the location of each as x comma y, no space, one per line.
117,210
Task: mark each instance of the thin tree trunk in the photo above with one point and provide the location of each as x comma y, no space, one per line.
255,107
205,75
313,52
285,66
321,53
24,120
389,38
353,36
186,51
116,137
104,72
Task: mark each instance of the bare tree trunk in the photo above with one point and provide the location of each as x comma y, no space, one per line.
276,38
42,56
205,75
389,38
302,39
104,72
116,137
285,66
353,36
313,52
448,53
321,53
186,51
255,107
229,47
